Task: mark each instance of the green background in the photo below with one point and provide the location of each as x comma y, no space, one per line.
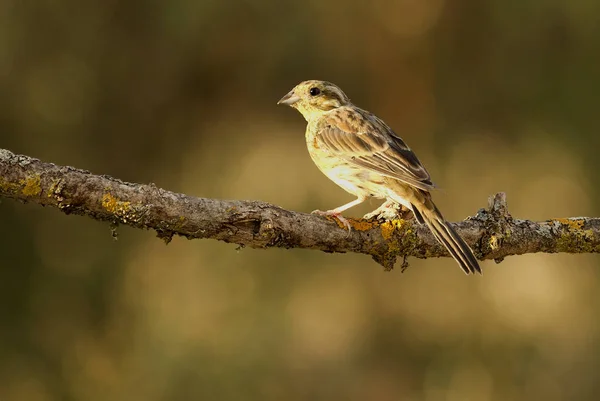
492,95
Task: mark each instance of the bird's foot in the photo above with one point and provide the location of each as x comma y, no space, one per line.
334,214
387,211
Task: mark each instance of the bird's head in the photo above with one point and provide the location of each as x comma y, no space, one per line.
313,98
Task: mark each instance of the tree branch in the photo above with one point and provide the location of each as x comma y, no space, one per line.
492,232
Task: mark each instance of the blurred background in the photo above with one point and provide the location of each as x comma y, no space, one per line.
492,95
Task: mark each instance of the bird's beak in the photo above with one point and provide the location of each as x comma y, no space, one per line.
289,99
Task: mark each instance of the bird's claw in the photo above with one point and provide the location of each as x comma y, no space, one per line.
334,214
387,211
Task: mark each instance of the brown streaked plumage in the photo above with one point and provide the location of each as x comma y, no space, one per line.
361,153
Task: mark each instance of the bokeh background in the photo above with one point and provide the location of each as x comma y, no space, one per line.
492,95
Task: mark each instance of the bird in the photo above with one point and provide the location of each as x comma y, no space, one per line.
362,154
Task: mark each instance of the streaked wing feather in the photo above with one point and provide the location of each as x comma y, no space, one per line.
371,145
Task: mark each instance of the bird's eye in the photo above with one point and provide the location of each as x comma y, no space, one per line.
314,91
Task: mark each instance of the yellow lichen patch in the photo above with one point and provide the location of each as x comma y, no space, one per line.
588,235
31,186
572,223
115,206
8,187
494,242
361,225
579,241
388,228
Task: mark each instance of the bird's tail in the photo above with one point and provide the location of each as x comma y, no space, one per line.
426,212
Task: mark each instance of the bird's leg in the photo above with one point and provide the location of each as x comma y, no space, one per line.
337,212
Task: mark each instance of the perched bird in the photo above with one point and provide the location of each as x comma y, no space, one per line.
361,153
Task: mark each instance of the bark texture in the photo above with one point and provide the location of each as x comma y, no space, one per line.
492,232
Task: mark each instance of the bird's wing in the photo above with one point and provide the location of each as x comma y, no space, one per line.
361,138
